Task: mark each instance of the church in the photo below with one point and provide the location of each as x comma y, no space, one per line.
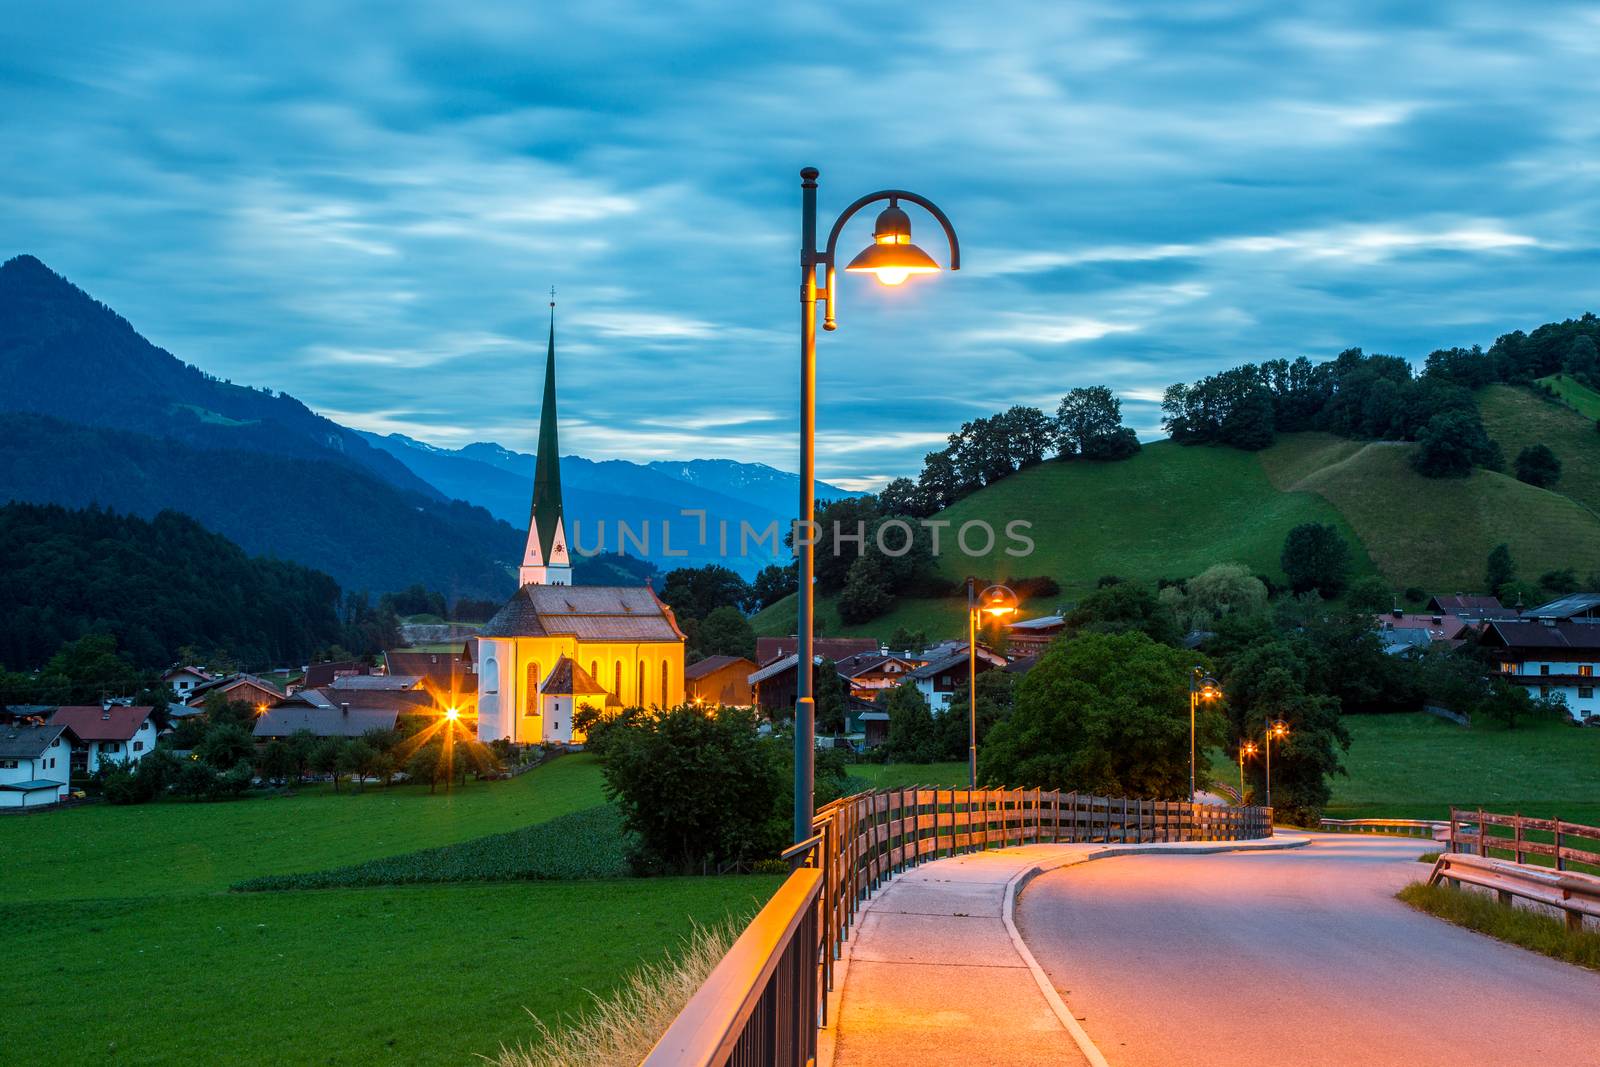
556,647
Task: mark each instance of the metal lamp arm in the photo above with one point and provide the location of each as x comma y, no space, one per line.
829,293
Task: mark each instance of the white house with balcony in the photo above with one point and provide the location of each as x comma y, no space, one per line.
1553,650
107,734
35,763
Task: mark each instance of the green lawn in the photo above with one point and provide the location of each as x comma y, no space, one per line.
896,775
416,975
126,948
1518,418
1416,766
88,851
1583,399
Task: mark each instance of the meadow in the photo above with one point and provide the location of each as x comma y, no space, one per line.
141,955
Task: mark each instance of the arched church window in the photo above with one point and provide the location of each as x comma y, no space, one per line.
530,698
616,689
491,675
594,670
665,668
640,690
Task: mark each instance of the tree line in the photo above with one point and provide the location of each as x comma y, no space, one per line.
1379,397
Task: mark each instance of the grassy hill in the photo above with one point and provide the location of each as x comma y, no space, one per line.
1583,400
1518,418
1172,511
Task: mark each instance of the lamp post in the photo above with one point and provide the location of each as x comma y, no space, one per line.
997,602
1246,748
892,258
1201,687
1275,729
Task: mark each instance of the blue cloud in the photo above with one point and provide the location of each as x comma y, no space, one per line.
364,205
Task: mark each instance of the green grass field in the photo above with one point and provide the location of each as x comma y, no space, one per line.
1583,400
123,916
1416,766
1518,418
896,775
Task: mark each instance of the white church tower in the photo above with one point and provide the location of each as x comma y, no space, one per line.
545,561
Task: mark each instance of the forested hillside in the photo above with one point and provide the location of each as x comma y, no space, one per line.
156,585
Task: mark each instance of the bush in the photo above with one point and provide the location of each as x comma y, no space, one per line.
697,789
1315,557
585,844
1538,466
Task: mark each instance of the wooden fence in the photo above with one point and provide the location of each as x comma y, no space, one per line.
742,1016
1396,827
1487,833
1575,895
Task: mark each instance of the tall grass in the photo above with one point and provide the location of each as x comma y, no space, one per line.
619,1029
1520,926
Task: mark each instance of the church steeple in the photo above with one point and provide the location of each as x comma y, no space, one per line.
545,561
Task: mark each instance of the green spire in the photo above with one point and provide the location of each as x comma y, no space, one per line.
547,467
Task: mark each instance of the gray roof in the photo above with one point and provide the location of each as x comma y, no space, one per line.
376,681
28,742
287,719
1566,607
1044,622
588,612
957,659
1398,641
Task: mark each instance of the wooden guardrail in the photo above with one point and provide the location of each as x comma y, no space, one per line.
1576,895
758,1008
1435,829
1486,833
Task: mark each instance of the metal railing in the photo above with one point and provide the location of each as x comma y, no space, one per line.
1399,827
765,1001
1576,895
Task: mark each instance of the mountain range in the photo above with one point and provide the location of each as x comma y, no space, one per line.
93,413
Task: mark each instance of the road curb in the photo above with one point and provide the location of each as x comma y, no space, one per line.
1020,880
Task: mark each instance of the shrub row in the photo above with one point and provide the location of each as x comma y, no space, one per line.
585,844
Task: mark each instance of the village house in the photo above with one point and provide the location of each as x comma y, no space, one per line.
1553,650
1029,637
106,735
321,674
238,689
331,712
35,764
871,674
184,680
447,673
770,649
941,679
719,680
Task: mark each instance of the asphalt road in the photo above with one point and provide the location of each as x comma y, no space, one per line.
1300,958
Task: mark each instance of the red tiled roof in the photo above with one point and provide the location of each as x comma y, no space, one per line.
834,648
712,664
94,723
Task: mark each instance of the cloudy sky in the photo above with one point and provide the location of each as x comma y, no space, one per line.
366,208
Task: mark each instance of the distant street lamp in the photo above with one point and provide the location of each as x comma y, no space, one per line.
997,602
1277,730
892,258
1201,687
1246,748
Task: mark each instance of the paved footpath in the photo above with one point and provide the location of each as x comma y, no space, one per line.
1299,958
935,974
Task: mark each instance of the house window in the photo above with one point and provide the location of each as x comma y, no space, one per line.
555,725
491,672
1586,670
1508,668
616,688
1544,691
1585,692
1544,668
8,764
665,668
639,691
594,669
138,746
112,746
530,697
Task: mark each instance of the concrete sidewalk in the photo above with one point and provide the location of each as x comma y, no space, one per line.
936,974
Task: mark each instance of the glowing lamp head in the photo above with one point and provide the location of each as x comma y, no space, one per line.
1249,748
452,714
891,255
997,602
1280,730
1210,688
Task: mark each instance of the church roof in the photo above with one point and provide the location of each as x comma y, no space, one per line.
588,612
546,515
567,678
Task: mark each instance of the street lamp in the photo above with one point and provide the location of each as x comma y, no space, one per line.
1246,748
892,258
1277,730
1201,687
997,602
